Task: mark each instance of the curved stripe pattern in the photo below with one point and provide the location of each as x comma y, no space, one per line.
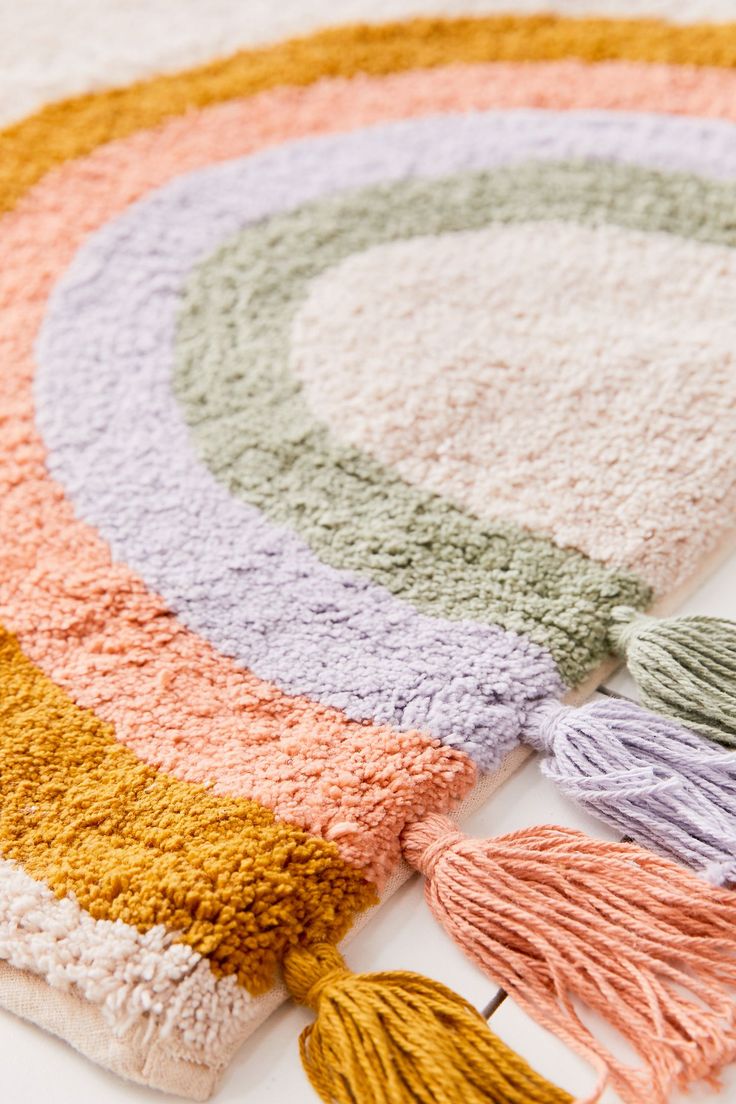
98,45
224,737
94,626
213,741
464,683
74,201
268,182
491,367
204,713
81,813
79,126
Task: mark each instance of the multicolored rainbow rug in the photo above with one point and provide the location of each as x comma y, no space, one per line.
365,388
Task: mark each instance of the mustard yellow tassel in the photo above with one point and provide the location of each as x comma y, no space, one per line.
399,1038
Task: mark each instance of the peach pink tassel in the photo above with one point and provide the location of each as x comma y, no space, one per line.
564,921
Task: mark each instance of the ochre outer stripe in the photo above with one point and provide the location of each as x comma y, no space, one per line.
81,813
74,127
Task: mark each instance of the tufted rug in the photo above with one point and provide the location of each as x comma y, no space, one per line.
357,362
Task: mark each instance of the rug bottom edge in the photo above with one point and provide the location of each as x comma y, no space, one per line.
146,1061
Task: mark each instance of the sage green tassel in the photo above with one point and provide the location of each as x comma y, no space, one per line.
684,667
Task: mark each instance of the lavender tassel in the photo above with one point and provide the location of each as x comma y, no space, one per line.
653,780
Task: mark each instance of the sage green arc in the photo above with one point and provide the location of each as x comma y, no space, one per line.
256,434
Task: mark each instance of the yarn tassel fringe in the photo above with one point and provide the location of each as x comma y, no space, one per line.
401,1038
653,780
556,917
684,667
